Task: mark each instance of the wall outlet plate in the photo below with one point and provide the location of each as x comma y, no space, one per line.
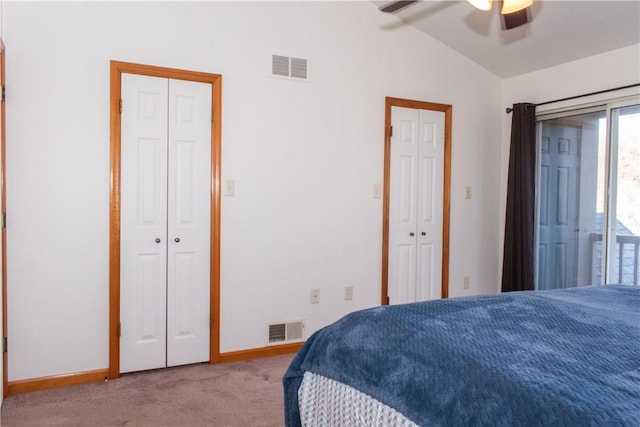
315,296
348,293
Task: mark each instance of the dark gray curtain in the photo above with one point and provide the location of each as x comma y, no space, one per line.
518,262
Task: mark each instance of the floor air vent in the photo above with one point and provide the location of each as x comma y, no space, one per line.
284,66
284,332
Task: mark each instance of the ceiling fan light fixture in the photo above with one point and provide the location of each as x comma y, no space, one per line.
481,4
511,6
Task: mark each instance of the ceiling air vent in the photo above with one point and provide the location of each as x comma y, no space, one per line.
285,332
285,66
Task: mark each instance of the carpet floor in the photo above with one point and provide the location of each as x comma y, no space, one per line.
243,394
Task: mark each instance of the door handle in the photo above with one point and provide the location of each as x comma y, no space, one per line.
412,234
423,233
158,240
177,240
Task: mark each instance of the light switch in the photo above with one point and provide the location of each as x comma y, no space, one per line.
377,191
230,188
467,193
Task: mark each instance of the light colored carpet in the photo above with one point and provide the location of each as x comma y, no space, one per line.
227,395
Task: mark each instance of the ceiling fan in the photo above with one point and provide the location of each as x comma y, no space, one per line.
514,12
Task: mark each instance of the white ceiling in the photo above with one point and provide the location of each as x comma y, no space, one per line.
559,32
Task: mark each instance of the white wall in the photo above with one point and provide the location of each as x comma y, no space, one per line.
617,68
304,157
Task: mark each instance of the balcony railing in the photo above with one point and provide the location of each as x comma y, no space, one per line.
626,261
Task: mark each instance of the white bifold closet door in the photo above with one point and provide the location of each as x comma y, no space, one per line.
165,222
415,205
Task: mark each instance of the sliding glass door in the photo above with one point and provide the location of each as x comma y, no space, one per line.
588,197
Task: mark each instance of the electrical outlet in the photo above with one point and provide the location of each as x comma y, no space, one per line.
348,293
315,296
467,282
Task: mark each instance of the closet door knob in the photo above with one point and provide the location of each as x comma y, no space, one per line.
423,233
177,240
412,234
157,240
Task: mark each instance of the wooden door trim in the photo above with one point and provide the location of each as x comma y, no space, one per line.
3,210
117,69
446,199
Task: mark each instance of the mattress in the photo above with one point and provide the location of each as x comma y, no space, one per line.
325,402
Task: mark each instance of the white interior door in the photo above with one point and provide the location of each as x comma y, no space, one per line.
429,204
143,211
189,222
415,205
165,220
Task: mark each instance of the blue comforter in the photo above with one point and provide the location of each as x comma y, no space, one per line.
555,358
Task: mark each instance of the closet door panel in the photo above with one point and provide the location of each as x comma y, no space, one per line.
430,195
189,217
143,223
402,205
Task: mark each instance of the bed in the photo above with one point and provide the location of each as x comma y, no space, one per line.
564,357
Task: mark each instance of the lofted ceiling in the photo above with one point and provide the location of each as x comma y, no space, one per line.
560,31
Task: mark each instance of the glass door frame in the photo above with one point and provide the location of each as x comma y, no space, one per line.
609,229
606,106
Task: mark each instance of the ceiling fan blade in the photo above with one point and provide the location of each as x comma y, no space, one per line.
515,19
394,6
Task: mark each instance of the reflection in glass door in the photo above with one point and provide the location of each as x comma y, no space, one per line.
577,163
